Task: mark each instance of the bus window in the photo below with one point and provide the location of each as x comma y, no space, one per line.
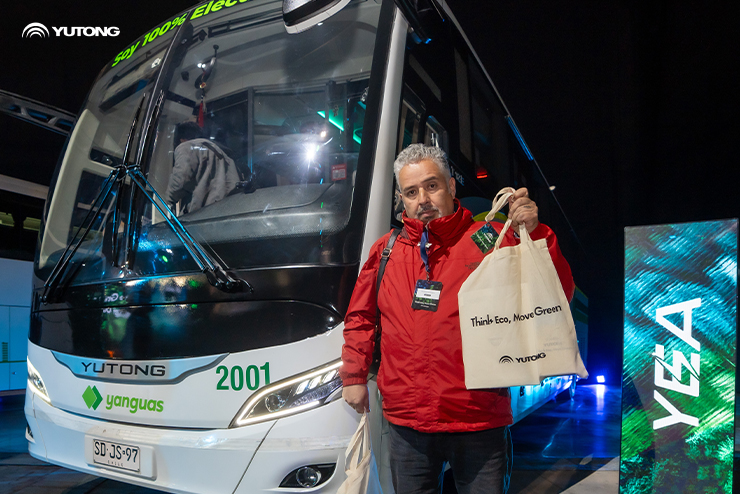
491,153
410,120
285,112
436,135
409,132
463,103
97,144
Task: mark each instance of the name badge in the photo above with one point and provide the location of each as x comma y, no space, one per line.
426,296
485,238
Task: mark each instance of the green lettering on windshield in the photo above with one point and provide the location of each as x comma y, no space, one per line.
198,12
126,54
168,26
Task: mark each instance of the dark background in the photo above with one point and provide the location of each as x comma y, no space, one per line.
630,108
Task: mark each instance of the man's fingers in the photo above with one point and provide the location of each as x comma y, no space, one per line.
518,200
518,194
522,207
522,201
359,408
357,397
524,211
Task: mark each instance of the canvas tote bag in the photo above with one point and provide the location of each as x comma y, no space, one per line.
359,463
515,321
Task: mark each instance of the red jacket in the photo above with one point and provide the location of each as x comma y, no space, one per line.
421,374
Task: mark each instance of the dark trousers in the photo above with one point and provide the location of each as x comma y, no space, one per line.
481,461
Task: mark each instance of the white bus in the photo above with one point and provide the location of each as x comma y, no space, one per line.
197,350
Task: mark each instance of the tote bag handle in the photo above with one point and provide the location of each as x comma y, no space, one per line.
359,446
501,199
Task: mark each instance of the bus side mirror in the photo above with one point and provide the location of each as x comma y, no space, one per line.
300,15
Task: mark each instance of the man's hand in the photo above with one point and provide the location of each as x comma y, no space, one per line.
357,397
523,210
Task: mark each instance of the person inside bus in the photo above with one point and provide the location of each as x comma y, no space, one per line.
433,418
203,173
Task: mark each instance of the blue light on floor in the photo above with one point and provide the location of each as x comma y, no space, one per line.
600,391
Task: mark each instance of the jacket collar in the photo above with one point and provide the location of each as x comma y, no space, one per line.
441,229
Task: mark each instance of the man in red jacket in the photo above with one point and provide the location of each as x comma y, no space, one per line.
433,418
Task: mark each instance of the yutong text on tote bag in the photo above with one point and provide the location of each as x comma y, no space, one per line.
515,321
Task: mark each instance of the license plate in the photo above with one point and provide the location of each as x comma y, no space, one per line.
116,455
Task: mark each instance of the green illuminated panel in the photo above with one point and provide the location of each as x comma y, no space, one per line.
678,388
337,121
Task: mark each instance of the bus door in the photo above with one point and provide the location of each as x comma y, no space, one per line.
448,102
435,111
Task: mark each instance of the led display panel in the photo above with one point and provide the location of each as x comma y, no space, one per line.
678,384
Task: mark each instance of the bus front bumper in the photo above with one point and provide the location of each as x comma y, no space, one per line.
250,459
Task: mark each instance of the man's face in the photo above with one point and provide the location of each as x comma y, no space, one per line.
425,192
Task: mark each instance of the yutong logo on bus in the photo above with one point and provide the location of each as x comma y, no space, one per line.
113,369
136,371
93,399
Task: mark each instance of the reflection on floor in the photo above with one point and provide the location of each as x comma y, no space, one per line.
567,446
570,445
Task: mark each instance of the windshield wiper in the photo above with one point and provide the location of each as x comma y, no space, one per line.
214,271
87,223
119,198
116,176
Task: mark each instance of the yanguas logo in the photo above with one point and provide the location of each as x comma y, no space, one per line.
93,399
35,29
133,404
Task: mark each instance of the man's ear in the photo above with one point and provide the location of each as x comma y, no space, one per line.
398,204
452,186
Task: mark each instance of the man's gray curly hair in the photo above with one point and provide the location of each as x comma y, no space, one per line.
415,153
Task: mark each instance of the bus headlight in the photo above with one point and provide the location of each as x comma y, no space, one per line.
293,395
36,384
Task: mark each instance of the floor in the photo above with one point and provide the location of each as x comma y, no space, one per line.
568,446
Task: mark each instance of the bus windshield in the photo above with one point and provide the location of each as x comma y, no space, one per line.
254,146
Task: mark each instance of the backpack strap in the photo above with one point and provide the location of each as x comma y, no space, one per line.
381,269
219,154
